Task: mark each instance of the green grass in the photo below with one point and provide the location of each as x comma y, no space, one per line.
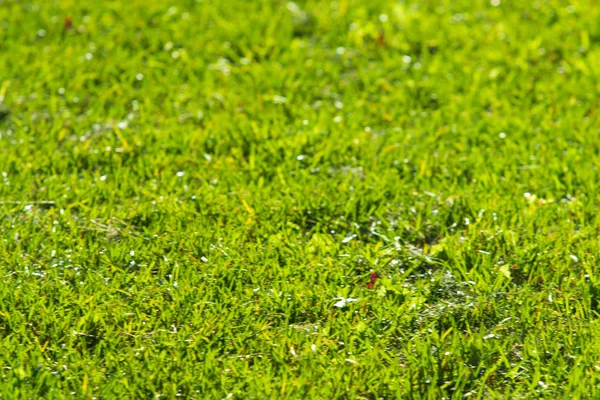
188,188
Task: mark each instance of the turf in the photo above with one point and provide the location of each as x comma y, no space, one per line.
267,199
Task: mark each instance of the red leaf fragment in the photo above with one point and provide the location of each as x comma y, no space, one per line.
374,276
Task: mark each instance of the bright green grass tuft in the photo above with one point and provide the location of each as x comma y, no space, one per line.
188,189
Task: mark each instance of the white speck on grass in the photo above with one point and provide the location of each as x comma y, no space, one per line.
340,50
495,3
542,384
175,54
122,125
383,18
574,258
344,302
348,238
132,253
103,178
89,56
279,99
502,135
293,7
204,259
338,119
313,347
180,174
139,77
406,59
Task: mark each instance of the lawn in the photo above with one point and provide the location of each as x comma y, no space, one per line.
348,199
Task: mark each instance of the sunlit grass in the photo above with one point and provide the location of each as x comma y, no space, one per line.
265,199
